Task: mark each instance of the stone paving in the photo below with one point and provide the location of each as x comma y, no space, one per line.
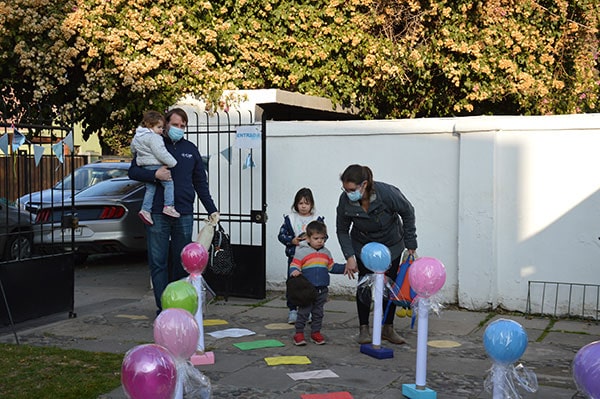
452,372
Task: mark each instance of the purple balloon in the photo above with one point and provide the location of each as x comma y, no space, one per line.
194,258
586,370
427,276
148,371
177,330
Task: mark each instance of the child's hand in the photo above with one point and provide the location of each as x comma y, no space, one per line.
296,240
295,273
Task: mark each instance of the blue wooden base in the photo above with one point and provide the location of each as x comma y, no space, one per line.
377,353
411,391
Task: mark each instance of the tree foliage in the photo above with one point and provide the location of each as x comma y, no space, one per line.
104,62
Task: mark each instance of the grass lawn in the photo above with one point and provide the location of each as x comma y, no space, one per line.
31,372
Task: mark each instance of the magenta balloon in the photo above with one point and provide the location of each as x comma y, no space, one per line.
194,258
586,370
148,371
177,330
426,276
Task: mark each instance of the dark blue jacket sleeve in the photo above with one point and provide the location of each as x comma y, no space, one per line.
140,174
286,235
200,181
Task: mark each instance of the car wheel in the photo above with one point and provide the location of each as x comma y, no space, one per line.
18,246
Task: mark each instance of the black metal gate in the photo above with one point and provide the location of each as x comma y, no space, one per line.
32,157
233,147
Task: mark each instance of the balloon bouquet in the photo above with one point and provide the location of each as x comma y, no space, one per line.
505,342
163,370
586,370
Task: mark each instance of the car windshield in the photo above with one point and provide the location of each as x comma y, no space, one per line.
113,188
88,176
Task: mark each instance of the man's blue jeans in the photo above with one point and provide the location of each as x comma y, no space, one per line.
166,239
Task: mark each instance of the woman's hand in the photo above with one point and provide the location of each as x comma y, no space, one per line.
351,268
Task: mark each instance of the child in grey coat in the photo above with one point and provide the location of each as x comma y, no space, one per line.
149,149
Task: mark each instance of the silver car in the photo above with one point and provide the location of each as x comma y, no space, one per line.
104,220
85,176
16,233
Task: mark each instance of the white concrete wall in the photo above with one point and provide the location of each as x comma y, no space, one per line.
499,200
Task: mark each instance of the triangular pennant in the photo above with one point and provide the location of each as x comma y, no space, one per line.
18,140
38,152
57,149
227,154
249,162
68,140
205,160
4,143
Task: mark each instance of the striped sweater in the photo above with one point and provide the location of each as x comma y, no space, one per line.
315,264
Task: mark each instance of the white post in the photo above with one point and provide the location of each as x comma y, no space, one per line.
377,310
499,371
178,394
422,331
196,280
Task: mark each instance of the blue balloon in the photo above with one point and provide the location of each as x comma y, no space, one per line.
376,257
505,341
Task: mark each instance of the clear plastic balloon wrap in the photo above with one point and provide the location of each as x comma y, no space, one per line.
505,342
195,384
364,288
433,303
505,379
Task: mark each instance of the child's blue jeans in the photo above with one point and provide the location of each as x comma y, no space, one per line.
169,191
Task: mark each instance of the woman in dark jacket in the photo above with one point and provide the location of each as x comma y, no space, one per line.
372,211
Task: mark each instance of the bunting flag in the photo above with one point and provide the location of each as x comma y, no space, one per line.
57,149
18,140
227,154
68,140
205,160
4,143
38,152
249,162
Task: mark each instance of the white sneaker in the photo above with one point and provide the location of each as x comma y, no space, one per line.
292,317
169,210
146,217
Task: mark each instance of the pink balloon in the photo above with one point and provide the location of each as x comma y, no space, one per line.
194,258
148,371
177,330
426,276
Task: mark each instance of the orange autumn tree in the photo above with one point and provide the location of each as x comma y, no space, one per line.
103,62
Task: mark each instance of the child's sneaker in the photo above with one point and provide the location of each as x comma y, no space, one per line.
169,210
299,339
317,338
292,317
146,217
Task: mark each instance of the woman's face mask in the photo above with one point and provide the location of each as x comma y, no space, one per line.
354,195
175,133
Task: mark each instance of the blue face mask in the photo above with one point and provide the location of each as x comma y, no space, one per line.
176,133
354,195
